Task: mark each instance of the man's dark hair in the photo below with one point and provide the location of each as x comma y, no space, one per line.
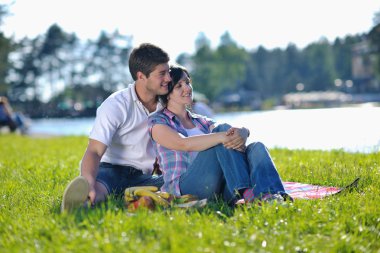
145,58
176,72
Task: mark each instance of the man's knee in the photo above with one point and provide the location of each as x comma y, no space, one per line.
101,192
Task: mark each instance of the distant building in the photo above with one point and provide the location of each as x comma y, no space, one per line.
316,99
327,99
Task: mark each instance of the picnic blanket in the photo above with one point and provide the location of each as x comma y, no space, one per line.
309,191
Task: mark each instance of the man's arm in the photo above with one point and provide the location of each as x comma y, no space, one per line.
90,164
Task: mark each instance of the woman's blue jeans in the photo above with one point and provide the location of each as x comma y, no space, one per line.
221,171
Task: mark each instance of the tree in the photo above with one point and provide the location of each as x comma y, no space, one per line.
374,38
26,70
265,66
342,58
6,47
320,66
202,42
52,55
376,19
203,71
293,68
219,71
231,62
107,63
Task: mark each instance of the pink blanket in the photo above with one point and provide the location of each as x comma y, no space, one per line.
308,191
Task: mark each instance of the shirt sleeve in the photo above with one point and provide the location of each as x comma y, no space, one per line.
157,118
210,122
206,122
109,117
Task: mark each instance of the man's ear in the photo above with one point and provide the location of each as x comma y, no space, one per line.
140,75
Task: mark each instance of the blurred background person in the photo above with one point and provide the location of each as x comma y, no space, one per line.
200,106
9,118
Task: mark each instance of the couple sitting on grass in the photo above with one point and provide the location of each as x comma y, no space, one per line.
149,119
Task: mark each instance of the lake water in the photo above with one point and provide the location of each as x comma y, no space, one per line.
354,129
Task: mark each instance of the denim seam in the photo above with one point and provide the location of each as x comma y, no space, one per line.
105,185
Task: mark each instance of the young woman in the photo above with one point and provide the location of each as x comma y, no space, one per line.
200,159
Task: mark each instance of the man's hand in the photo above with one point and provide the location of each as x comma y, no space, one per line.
92,195
238,138
89,165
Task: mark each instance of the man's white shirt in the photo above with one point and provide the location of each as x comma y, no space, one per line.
121,124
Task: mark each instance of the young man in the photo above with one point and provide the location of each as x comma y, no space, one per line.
119,153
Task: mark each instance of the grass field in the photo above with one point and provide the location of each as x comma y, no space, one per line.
34,173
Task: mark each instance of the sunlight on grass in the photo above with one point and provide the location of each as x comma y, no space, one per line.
34,173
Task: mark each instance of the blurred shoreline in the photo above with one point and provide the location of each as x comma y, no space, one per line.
350,128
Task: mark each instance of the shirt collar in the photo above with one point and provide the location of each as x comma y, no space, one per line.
136,98
171,115
133,92
168,113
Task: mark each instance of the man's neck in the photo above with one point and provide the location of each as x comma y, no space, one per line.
148,99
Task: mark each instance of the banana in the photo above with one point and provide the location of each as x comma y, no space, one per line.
165,195
129,198
186,198
156,198
130,191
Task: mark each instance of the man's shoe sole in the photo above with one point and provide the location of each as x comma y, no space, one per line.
76,194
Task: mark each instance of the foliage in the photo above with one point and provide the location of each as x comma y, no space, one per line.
62,61
230,70
35,171
374,37
220,71
6,46
39,69
320,66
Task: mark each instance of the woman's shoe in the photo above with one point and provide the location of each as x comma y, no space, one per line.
273,198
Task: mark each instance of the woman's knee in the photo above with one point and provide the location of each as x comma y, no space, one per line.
257,148
221,128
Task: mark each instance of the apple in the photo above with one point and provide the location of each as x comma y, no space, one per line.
142,202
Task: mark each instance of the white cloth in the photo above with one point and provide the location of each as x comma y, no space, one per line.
191,132
194,131
121,124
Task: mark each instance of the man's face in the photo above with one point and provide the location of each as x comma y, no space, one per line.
158,80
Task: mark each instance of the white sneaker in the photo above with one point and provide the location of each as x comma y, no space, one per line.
75,194
273,199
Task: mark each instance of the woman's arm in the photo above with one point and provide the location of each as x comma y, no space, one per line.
171,139
238,139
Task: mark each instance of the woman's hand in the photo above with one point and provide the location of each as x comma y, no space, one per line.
238,138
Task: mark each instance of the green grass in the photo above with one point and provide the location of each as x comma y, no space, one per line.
34,173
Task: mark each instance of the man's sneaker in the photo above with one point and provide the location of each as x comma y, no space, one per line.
76,194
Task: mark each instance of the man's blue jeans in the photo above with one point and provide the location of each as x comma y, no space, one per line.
222,171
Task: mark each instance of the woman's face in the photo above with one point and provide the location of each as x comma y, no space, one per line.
182,93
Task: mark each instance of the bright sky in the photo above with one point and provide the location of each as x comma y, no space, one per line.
175,24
